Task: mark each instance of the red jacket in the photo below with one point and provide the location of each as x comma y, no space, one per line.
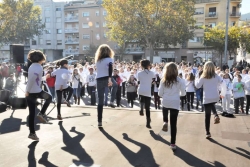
51,81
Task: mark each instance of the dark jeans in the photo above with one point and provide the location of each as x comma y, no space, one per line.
59,97
157,99
173,121
31,101
114,89
52,91
92,94
101,86
237,102
145,101
183,98
190,100
123,89
248,103
131,97
208,108
118,96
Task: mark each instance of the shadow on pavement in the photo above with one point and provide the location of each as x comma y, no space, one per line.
83,115
44,160
144,157
187,157
74,147
232,150
10,124
31,154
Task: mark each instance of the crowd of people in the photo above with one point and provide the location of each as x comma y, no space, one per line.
171,85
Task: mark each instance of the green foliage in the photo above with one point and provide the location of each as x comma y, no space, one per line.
245,38
20,20
152,23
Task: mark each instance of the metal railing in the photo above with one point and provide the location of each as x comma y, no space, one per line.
71,51
72,41
206,1
212,15
72,30
71,19
235,14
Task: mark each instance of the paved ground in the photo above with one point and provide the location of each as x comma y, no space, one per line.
124,140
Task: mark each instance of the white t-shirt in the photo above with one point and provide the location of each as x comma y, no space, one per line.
102,67
145,77
62,77
91,79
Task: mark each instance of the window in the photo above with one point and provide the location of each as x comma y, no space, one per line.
48,42
85,47
47,31
47,8
199,11
59,42
196,39
58,31
85,14
104,35
97,13
104,24
85,36
40,41
47,19
33,42
211,25
104,13
233,23
198,25
212,12
58,9
85,25
97,24
97,36
58,19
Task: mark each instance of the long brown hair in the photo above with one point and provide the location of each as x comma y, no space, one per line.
208,70
190,77
102,52
170,74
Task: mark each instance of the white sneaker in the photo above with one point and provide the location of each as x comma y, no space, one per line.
33,136
42,118
173,146
165,127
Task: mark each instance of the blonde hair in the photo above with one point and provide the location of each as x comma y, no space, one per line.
208,70
170,74
102,52
129,80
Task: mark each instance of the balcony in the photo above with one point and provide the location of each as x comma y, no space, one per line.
134,51
235,14
236,0
71,19
207,1
72,41
71,30
71,51
212,15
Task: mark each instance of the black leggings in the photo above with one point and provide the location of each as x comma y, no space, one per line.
145,101
59,98
173,121
123,89
208,108
248,103
131,97
190,97
31,101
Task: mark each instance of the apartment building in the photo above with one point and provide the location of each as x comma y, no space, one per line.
51,42
85,25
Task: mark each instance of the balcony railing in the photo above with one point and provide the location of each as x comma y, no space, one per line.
235,14
133,50
207,1
71,19
71,30
71,51
212,15
72,41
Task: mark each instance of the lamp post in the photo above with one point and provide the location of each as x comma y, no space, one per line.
226,35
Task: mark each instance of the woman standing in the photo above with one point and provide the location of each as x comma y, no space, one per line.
190,89
131,90
34,91
171,88
145,78
104,65
209,80
76,85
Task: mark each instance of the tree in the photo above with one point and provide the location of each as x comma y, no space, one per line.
121,50
245,38
91,50
151,23
19,20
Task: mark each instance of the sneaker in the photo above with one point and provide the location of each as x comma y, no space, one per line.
173,146
68,104
99,123
33,136
59,117
208,135
141,113
42,118
165,127
112,105
216,119
224,114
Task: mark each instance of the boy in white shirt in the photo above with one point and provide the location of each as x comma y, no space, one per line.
91,82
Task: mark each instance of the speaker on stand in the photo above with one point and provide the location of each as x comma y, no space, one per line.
17,54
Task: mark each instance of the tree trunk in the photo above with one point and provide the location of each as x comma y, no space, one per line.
149,54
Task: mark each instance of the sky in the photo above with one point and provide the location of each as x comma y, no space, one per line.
245,7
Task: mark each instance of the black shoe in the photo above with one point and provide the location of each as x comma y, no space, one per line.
112,105
148,123
224,114
141,113
230,115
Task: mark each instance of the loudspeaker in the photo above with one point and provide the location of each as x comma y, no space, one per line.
17,54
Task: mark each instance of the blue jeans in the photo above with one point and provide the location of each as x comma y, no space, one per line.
52,91
199,94
77,92
101,85
106,96
113,90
